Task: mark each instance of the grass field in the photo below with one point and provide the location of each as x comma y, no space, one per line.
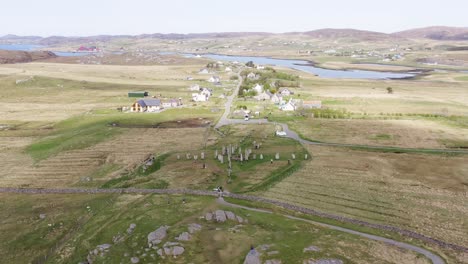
424,193
74,225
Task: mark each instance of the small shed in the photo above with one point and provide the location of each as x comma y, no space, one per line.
137,94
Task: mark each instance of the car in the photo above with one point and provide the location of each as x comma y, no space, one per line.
281,133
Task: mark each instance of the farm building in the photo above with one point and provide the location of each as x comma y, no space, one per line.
214,79
285,92
138,94
291,105
266,95
146,105
172,103
276,99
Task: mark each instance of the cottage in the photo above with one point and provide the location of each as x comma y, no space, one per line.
214,79
172,103
289,106
146,105
276,99
285,92
204,71
312,104
260,67
198,97
194,87
206,91
258,88
252,76
265,95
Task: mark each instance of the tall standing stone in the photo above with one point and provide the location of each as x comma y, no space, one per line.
261,156
306,156
195,157
202,155
293,156
277,156
216,154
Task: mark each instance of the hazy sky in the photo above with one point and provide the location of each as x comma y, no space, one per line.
93,17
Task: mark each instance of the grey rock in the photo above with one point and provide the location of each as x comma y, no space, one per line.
273,261
177,250
253,257
156,236
311,248
209,216
134,260
160,252
239,219
171,244
95,252
131,228
271,253
230,215
185,236
167,250
194,228
220,216
323,261
42,216
103,247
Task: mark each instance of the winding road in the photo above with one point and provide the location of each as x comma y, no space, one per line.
224,120
433,257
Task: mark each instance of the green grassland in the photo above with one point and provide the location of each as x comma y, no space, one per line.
74,225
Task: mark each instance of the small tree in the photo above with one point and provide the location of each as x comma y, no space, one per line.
250,64
389,90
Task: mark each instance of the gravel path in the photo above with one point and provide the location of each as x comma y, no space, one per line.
287,206
433,257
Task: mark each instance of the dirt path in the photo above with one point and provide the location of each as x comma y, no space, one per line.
433,257
287,206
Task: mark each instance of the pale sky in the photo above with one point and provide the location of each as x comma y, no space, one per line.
94,17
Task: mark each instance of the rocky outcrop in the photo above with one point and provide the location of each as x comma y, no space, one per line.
192,228
185,236
311,249
157,236
253,257
221,216
323,261
131,228
15,56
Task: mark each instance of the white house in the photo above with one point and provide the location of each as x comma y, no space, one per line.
258,88
277,99
266,95
228,69
285,92
194,87
146,105
204,71
214,79
206,91
289,106
172,103
260,67
198,97
252,76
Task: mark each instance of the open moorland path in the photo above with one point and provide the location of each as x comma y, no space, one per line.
433,257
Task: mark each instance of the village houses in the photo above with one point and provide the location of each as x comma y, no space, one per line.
146,105
214,79
285,92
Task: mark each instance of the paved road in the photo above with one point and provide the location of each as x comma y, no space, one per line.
227,106
433,257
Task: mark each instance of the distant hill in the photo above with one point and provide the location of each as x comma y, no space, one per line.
15,56
436,33
331,33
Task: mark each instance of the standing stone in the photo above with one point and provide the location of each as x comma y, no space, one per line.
306,156
156,236
254,143
254,156
195,157
202,155
221,158
223,151
261,156
253,257
293,156
178,157
216,154
277,156
187,156
220,216
134,260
